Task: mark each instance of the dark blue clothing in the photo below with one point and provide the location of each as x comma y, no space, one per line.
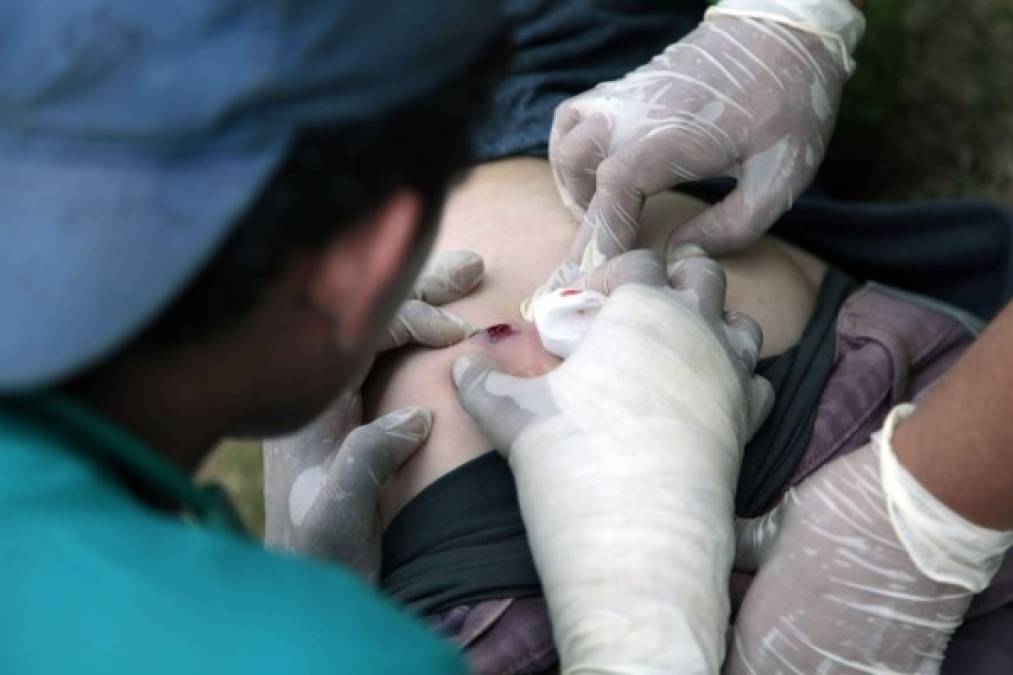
564,47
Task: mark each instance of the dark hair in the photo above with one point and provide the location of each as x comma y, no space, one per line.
331,178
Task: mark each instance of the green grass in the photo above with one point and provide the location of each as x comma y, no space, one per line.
238,467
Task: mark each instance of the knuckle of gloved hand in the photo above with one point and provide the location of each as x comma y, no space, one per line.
639,266
411,310
614,176
563,112
566,157
364,452
565,117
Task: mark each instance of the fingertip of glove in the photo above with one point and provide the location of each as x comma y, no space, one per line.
467,367
460,328
762,399
470,265
679,253
686,250
413,421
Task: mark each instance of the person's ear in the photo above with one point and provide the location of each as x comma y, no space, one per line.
353,279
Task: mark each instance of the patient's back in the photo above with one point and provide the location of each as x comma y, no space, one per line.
510,213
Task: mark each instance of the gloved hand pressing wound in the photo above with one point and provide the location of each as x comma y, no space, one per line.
321,484
752,93
626,458
861,570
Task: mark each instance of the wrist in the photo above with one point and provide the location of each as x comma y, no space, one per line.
836,21
943,544
609,514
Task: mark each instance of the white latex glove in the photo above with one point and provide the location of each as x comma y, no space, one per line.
626,458
861,570
321,483
751,93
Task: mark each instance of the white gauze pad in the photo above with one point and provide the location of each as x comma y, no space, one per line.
563,318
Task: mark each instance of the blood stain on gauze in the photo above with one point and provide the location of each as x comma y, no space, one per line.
563,318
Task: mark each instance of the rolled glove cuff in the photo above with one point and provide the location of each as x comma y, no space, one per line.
945,546
838,22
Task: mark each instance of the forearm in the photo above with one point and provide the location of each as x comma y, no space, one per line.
634,567
917,534
959,444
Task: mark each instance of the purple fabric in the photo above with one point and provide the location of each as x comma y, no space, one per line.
890,349
511,636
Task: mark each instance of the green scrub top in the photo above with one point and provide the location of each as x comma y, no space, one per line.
93,580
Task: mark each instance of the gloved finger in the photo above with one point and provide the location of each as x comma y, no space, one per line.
612,215
564,118
761,402
600,238
372,453
449,276
639,267
704,280
503,405
677,253
575,157
745,337
735,222
754,537
633,267
420,323
661,160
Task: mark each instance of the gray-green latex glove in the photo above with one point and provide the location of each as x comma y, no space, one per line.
626,458
860,570
321,483
752,93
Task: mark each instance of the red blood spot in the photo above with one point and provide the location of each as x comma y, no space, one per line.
500,331
568,292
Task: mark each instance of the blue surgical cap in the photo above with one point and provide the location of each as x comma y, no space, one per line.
133,134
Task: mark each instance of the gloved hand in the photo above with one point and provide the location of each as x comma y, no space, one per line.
626,458
861,570
321,484
751,93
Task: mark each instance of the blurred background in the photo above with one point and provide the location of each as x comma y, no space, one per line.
928,114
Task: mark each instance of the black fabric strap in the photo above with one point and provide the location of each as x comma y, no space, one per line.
461,539
799,376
